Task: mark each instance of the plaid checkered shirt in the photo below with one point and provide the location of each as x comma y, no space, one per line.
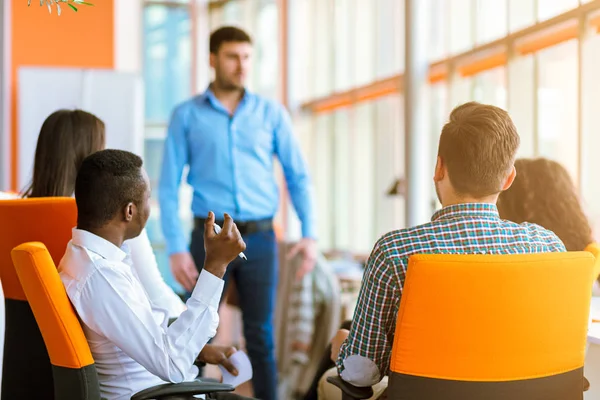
457,229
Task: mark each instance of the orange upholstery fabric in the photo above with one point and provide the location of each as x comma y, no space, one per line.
594,248
63,336
493,318
48,220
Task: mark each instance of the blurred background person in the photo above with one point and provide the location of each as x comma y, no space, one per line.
229,138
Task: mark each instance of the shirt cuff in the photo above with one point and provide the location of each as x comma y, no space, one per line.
308,231
208,289
360,371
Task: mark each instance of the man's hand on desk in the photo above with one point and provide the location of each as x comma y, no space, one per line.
337,342
184,270
307,247
218,355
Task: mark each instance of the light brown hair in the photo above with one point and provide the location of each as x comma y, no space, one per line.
543,193
66,138
478,147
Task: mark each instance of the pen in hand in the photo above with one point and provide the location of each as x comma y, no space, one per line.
217,230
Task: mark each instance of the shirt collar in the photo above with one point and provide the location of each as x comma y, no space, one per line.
100,246
209,96
467,210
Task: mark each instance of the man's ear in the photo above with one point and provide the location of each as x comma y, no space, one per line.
439,173
510,179
212,60
129,211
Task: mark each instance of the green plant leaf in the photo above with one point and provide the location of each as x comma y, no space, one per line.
72,7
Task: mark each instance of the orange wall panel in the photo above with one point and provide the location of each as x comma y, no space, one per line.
83,39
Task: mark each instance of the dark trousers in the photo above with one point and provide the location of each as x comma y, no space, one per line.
227,396
256,283
324,365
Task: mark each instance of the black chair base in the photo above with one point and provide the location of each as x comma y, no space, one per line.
350,392
181,391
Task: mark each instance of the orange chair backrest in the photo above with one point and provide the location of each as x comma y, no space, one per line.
48,220
493,318
58,322
595,250
73,369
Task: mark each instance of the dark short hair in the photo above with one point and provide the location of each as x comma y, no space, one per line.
478,146
106,182
227,34
66,138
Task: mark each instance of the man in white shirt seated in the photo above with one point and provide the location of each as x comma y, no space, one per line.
129,338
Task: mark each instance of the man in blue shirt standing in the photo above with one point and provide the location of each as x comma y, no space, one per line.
229,137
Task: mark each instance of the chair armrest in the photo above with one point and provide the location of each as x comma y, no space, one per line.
177,390
350,391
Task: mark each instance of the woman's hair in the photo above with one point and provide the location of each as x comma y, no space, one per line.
66,138
543,193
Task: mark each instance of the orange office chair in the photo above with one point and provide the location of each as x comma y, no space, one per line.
48,220
75,376
492,327
594,248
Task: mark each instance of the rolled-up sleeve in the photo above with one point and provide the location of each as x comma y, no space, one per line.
364,357
296,174
175,157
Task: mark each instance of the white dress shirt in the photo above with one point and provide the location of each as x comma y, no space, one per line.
144,263
128,335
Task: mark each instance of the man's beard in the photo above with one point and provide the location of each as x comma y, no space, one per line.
227,85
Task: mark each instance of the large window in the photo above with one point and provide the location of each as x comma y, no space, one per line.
363,173
343,181
390,37
389,165
343,63
489,87
322,173
521,14
323,65
438,34
550,8
461,25
590,162
363,37
301,40
167,76
167,54
557,105
527,56
522,100
491,20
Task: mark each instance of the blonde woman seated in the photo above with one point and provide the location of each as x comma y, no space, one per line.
543,193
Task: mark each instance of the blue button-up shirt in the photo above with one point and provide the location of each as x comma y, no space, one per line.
230,160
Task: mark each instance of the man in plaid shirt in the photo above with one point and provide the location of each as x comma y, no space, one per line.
475,163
